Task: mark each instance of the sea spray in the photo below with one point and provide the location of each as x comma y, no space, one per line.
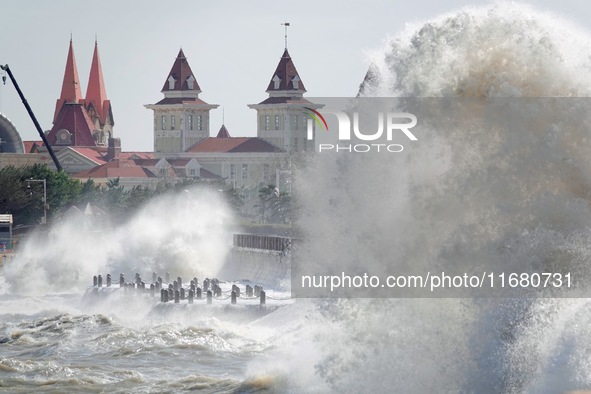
187,234
519,197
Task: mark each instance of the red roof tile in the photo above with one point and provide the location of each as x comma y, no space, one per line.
75,119
286,72
115,169
180,100
140,168
91,154
71,92
285,100
96,94
232,145
223,133
136,155
180,71
31,146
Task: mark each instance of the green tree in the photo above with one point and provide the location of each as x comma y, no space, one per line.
14,198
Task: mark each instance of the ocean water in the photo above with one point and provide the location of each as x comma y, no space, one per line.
58,335
517,197
117,342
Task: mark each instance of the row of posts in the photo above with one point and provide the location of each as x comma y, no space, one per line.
177,292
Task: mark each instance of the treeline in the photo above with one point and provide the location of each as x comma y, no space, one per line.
21,194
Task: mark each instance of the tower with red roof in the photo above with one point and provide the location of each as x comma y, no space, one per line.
181,118
71,124
97,104
79,122
281,118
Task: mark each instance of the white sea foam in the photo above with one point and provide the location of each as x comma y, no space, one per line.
460,194
186,234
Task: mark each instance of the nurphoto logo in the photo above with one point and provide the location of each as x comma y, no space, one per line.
375,134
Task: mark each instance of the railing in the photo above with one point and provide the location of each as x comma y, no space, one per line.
263,242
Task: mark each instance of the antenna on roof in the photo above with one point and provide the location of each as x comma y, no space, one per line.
286,24
223,116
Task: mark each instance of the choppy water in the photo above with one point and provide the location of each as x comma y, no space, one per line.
68,343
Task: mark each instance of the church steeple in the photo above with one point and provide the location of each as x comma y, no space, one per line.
71,92
96,94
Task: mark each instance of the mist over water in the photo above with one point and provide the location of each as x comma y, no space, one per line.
466,194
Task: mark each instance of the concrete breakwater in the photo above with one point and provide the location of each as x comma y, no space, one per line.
260,258
176,290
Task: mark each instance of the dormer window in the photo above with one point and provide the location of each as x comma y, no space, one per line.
276,82
171,82
190,82
296,82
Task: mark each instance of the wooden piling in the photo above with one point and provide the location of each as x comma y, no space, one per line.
108,280
121,280
100,281
209,297
233,297
263,297
94,281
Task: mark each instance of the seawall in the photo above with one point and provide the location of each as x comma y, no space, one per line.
259,258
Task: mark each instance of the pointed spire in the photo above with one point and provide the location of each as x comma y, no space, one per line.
180,77
71,92
286,76
223,133
96,93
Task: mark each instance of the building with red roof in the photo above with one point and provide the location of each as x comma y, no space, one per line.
281,118
82,132
244,161
181,118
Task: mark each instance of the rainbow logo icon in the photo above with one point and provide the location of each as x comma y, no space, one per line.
316,117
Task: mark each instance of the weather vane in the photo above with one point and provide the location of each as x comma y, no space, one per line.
286,24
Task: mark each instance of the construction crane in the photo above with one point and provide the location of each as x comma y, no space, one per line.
32,115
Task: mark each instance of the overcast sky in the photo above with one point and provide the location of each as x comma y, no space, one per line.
232,46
